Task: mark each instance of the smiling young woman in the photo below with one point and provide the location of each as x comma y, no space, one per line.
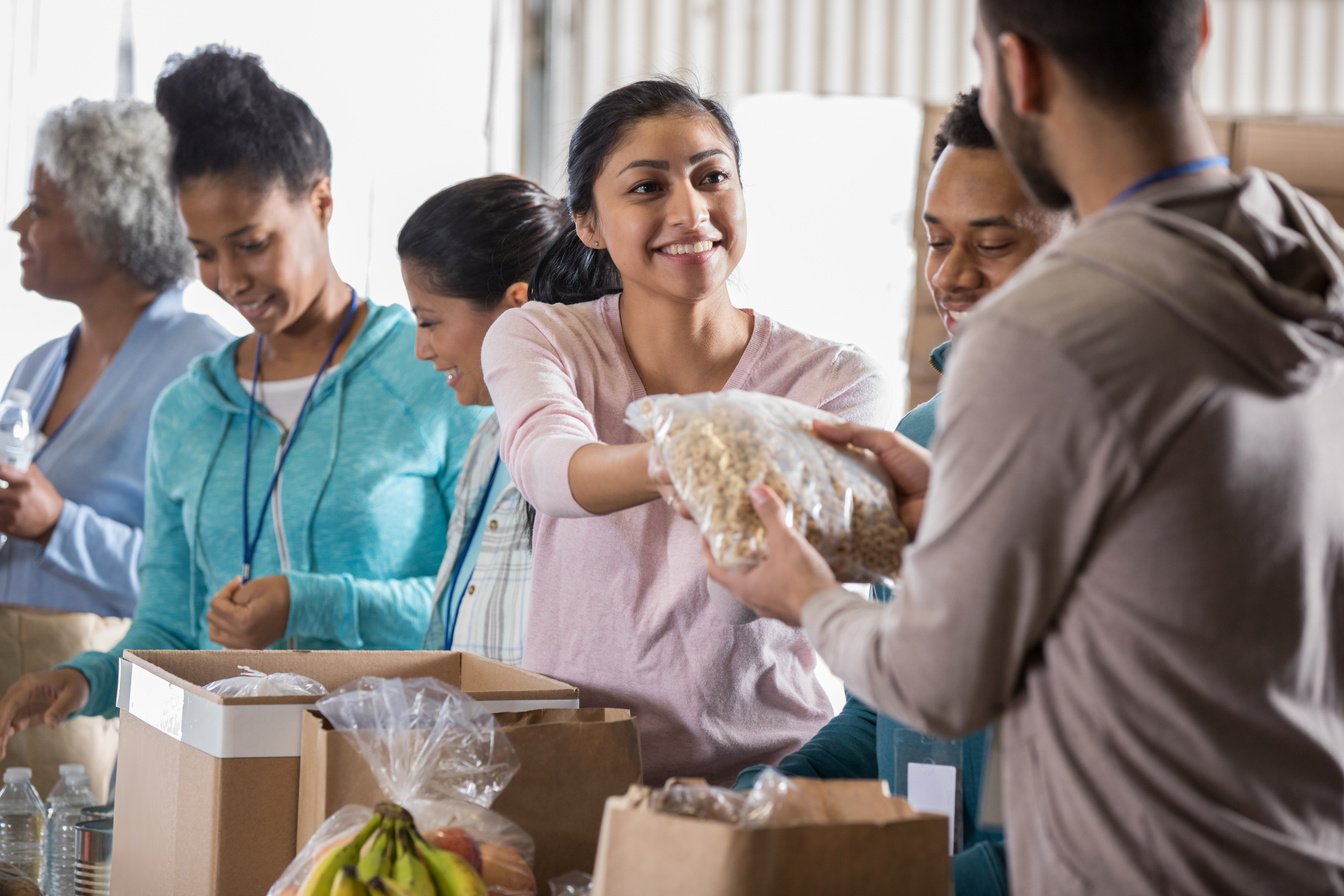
300,480
634,301
467,255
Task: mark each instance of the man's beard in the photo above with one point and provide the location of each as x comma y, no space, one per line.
1020,141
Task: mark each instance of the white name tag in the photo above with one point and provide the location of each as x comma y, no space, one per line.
933,788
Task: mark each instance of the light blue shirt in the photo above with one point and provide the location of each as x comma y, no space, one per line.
457,588
96,462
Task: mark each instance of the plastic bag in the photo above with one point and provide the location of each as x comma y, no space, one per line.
717,446
435,752
252,683
425,740
773,800
698,801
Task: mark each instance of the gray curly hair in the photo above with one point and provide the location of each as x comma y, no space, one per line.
110,158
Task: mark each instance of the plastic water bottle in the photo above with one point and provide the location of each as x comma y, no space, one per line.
17,438
22,819
66,802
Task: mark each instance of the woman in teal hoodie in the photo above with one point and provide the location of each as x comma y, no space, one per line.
299,482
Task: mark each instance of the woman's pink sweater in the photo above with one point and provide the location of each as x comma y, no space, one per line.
621,604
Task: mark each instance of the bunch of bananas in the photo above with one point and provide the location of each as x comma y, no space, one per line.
388,856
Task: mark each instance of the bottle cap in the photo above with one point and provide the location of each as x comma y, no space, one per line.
71,768
20,397
18,773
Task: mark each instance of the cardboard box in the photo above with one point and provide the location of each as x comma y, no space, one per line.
875,845
571,761
208,787
1304,151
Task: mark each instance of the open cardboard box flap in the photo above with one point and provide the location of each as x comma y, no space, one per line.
191,670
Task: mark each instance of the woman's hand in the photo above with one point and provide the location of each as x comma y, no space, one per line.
30,507
49,697
787,578
252,616
906,463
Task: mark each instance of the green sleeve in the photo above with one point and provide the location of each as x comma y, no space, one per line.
843,748
167,613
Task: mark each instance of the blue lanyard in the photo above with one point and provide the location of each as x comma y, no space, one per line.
1171,173
250,544
454,605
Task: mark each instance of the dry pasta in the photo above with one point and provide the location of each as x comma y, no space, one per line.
717,446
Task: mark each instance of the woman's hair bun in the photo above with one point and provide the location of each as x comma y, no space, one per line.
213,85
228,117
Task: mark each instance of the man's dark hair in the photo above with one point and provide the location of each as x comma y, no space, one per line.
962,126
1130,53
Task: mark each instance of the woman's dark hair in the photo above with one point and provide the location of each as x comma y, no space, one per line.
474,239
572,272
228,118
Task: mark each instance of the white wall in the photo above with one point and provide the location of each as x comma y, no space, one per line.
403,88
1264,56
830,190
404,85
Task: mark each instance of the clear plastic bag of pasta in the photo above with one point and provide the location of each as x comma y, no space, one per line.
717,446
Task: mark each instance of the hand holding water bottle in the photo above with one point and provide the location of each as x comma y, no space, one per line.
29,505
16,430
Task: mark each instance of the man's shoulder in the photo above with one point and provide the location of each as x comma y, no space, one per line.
1075,292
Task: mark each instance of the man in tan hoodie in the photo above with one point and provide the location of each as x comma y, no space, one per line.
1129,548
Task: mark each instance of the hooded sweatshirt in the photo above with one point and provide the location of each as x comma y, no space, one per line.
359,515
1133,551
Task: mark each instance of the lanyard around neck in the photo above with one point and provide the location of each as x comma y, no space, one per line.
1170,173
250,543
455,605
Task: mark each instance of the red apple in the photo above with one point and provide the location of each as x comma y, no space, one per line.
505,871
456,840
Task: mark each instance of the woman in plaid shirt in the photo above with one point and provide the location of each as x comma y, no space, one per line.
466,256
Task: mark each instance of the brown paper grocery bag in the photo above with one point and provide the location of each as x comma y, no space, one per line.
869,844
572,761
